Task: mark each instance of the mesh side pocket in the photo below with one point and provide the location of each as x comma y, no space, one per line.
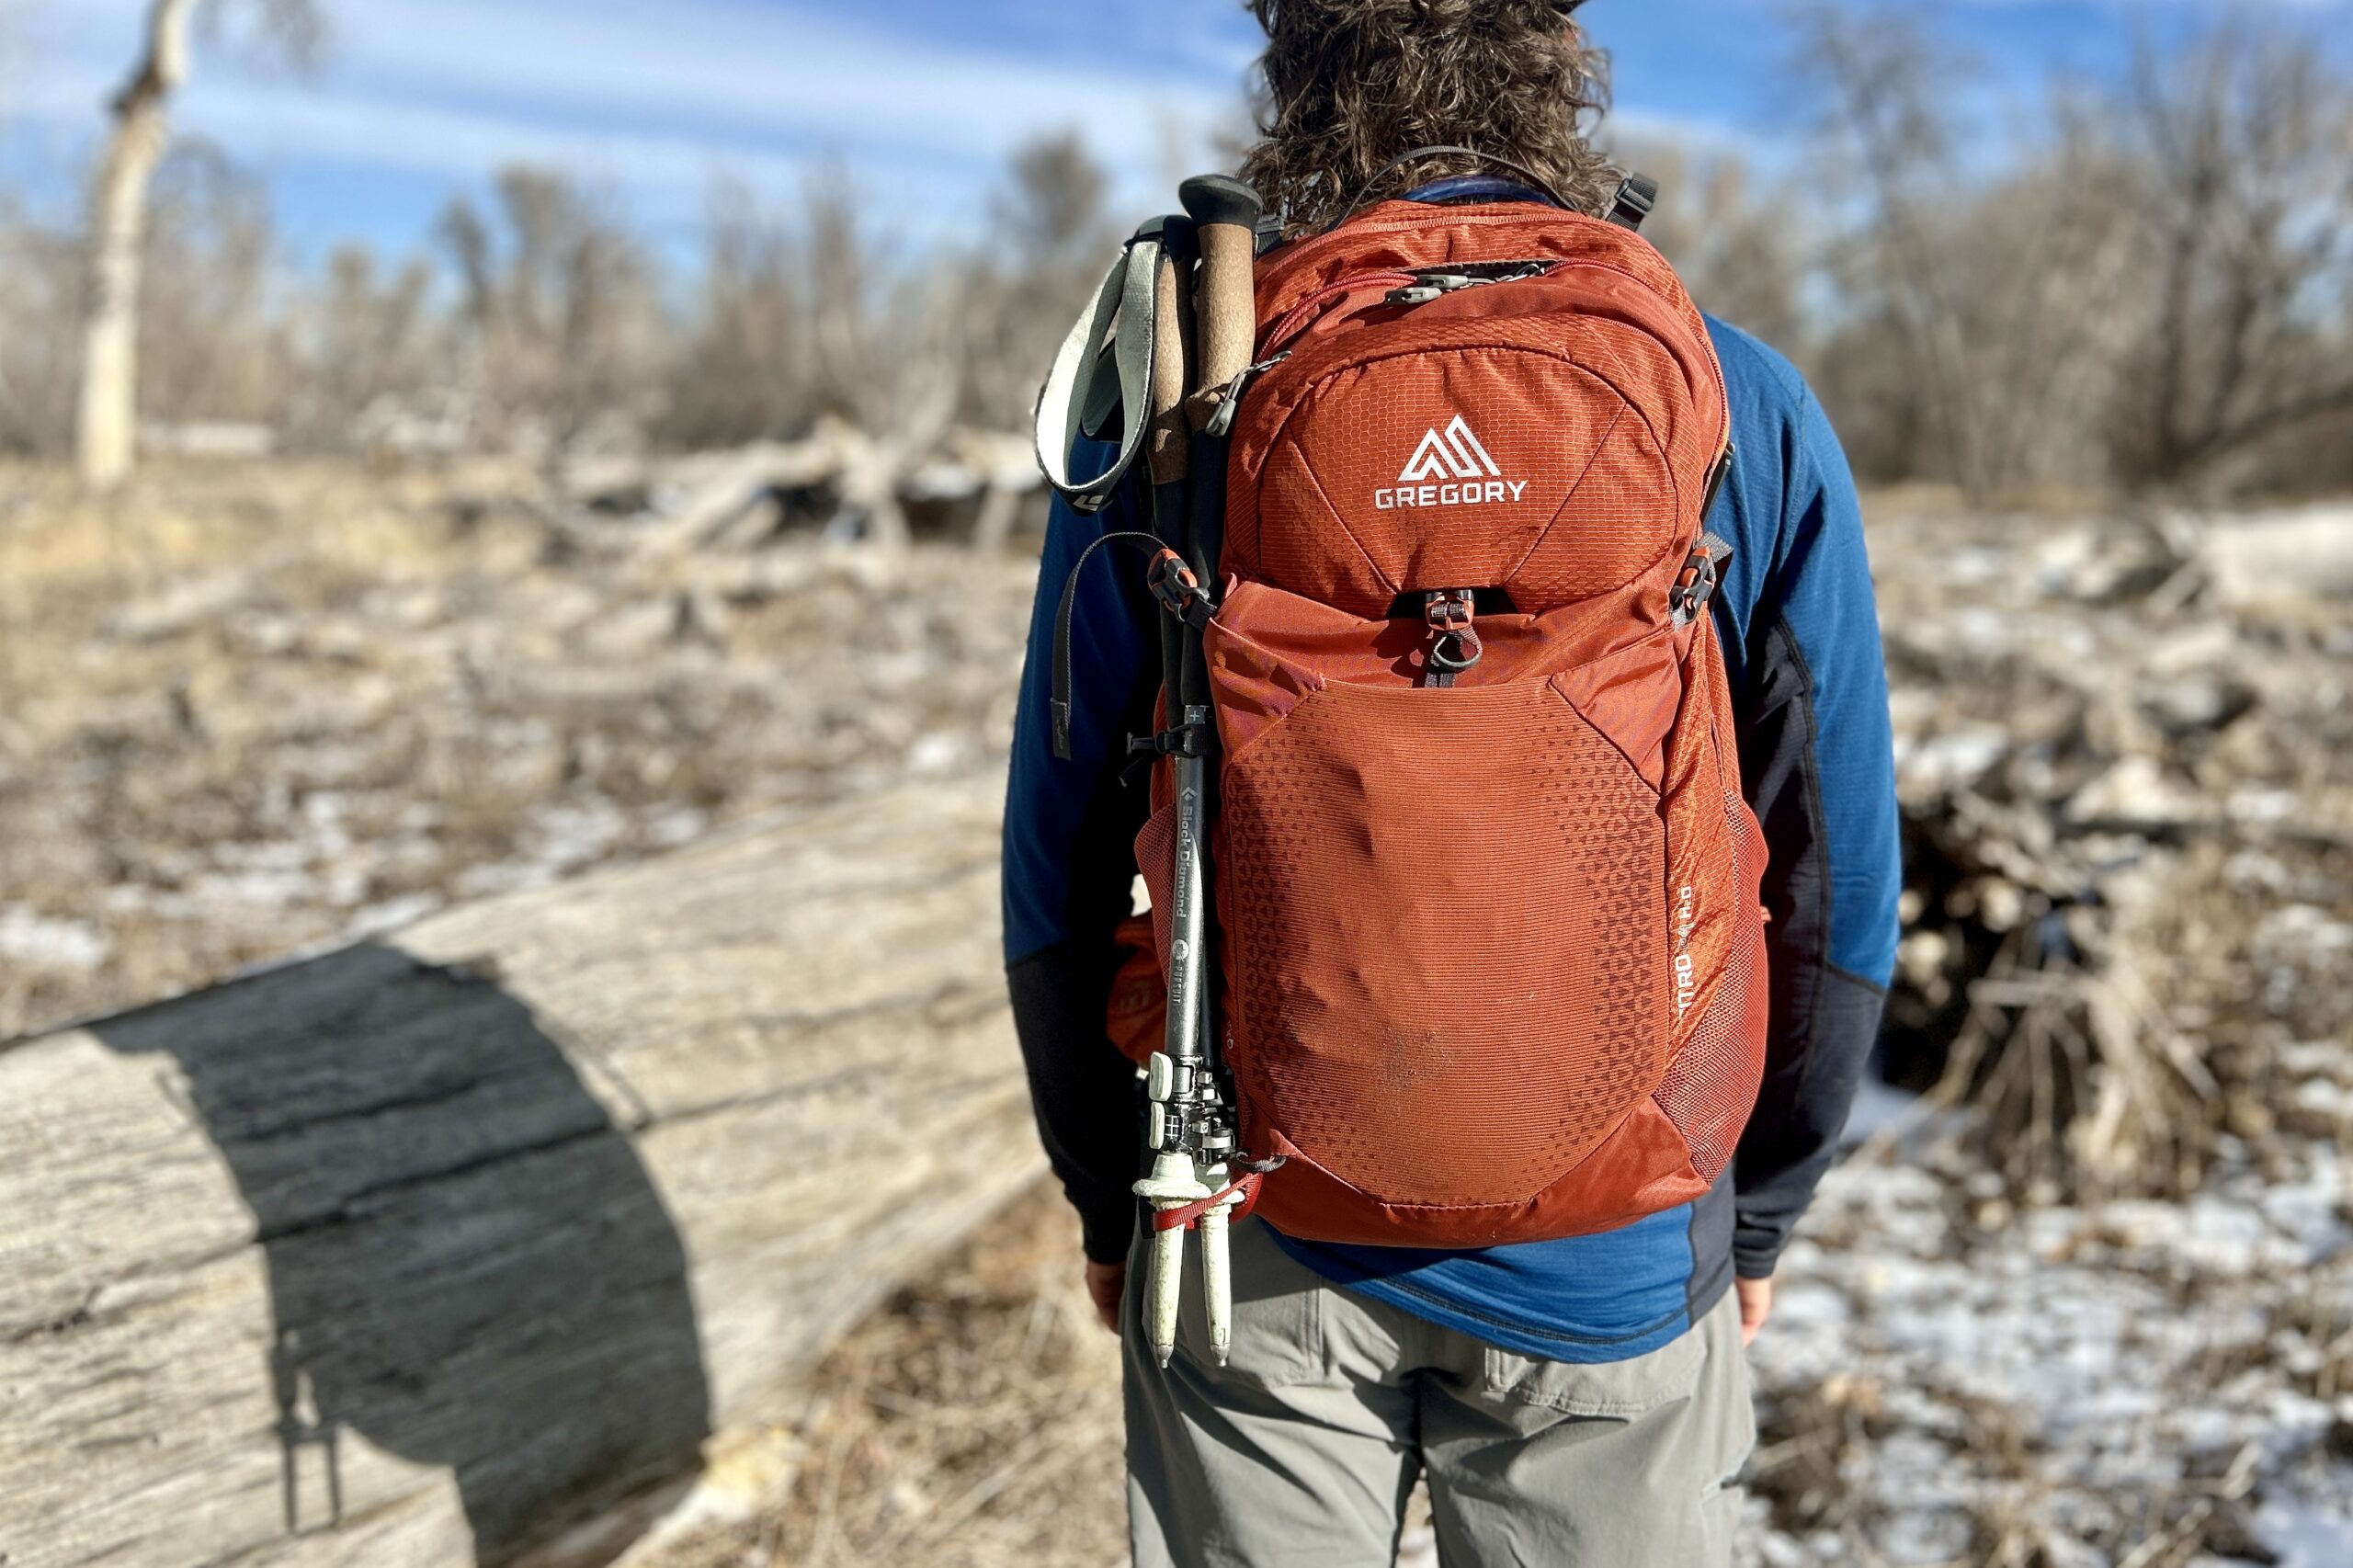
1717,861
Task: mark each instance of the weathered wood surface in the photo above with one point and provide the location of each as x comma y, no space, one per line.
407,1253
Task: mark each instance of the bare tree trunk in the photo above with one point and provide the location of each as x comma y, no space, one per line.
109,409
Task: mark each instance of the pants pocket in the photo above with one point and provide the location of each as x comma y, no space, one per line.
1618,1389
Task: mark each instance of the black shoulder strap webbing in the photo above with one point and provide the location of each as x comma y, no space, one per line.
1173,585
1637,194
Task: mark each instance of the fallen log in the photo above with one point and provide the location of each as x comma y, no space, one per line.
423,1250
728,500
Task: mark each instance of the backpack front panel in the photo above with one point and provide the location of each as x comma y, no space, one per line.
1471,935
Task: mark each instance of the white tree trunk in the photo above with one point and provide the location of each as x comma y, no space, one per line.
108,431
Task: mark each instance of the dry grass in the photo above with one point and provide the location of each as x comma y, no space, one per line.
973,1421
244,711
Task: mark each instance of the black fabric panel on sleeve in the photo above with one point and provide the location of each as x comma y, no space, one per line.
1711,1241
1778,773
1813,1051
1784,1155
1103,855
1083,1090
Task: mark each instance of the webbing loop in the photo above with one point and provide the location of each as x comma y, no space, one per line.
1173,583
1125,313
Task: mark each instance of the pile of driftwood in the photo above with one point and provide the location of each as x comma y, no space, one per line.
252,708
2129,836
838,481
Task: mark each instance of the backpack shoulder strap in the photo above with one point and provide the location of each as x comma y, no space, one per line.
1086,380
1637,194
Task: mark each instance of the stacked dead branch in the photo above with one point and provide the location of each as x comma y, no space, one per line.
2127,830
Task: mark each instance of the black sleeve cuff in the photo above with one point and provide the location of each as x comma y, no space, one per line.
1087,1096
1809,1082
1106,1236
1755,1256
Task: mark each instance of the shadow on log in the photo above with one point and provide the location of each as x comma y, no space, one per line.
469,1265
447,1247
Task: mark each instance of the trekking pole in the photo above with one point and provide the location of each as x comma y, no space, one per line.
1174,1182
1168,436
1225,214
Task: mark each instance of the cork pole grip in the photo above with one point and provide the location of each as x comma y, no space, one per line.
1225,213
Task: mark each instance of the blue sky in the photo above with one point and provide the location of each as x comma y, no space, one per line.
919,99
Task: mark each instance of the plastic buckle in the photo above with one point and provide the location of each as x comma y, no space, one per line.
1184,740
1179,592
1694,588
1220,424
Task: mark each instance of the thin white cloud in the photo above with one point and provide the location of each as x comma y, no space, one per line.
763,71
658,97
657,92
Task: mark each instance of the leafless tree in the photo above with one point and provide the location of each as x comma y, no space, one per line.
1740,244
41,275
371,349
562,303
108,420
211,309
2145,292
1977,333
741,373
1048,239
2241,150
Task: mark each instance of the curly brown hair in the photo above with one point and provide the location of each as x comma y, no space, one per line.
1349,84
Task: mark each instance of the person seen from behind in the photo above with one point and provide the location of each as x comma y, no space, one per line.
1575,1392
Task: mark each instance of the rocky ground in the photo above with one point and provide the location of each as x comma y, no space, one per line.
2087,1301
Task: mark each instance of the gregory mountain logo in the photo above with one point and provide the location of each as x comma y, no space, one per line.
1458,453
1456,457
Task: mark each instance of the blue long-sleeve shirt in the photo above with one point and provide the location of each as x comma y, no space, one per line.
1801,649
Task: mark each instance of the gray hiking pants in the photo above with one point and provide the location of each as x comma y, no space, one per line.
1302,1452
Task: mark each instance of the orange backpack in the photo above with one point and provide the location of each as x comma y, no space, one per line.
1490,945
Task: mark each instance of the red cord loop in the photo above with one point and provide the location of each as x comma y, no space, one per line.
1189,1215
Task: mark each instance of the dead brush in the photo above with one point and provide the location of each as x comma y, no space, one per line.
2203,1518
1808,1452
2083,1084
2097,1052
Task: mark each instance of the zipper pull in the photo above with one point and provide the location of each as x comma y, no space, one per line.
1721,471
1220,423
1455,647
